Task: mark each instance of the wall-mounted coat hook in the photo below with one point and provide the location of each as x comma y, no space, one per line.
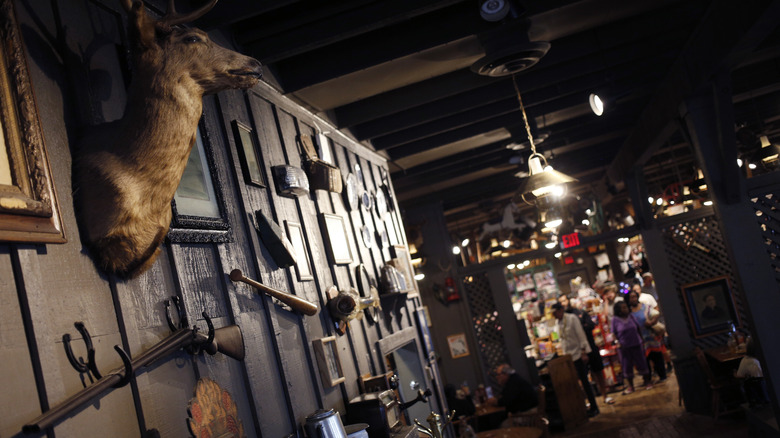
182,317
226,340
89,367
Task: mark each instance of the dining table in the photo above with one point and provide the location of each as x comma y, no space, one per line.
512,432
724,360
489,417
724,353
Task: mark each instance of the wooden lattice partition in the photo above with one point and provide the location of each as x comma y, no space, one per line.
767,209
484,315
696,251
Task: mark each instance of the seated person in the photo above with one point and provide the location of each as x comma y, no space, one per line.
517,395
458,401
750,370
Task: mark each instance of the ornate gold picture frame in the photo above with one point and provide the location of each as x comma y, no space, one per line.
28,204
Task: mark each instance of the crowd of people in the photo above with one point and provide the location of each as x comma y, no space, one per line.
634,327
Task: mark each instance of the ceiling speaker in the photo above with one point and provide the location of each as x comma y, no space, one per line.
510,59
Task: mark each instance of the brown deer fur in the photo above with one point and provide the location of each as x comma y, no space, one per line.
125,173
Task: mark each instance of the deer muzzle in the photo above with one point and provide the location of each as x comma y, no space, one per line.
253,69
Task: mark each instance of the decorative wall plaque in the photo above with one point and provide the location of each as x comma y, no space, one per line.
213,413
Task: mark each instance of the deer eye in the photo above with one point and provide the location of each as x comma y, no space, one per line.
192,39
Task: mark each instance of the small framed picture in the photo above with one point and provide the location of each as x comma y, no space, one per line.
710,306
302,265
458,345
338,243
328,362
247,153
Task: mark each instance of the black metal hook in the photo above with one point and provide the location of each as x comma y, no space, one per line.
199,345
179,313
211,328
128,367
79,365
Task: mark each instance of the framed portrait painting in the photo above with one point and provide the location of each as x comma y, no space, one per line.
710,305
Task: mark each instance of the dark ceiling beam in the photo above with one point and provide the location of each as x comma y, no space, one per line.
294,18
455,135
502,121
226,13
450,161
574,53
729,32
365,37
575,90
495,161
504,182
475,114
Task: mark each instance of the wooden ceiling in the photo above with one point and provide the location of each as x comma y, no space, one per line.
396,76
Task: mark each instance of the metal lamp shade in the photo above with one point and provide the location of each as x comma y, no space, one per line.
539,181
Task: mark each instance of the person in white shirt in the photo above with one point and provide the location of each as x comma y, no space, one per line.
644,297
753,383
575,344
647,285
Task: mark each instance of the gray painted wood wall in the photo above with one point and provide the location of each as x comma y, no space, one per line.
76,57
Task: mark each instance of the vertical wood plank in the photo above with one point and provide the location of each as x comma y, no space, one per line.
18,400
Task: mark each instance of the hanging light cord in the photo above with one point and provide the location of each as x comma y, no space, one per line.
525,117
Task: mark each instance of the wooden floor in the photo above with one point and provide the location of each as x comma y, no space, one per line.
654,413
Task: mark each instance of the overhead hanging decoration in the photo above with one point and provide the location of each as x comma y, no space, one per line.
543,182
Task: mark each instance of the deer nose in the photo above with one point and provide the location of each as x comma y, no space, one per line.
256,67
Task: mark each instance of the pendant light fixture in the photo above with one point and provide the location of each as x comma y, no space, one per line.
543,182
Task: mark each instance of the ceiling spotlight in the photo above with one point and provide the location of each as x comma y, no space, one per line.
494,10
456,250
419,276
526,262
550,245
585,222
553,223
510,266
739,162
659,201
650,200
708,203
465,242
752,166
596,104
506,243
557,255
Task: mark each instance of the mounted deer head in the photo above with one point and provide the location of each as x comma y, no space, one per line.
126,172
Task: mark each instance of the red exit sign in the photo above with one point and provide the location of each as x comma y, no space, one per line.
570,240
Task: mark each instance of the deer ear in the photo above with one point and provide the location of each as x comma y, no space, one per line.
142,27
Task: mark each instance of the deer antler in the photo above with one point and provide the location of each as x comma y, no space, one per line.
172,18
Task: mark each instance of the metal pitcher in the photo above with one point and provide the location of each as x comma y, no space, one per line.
324,424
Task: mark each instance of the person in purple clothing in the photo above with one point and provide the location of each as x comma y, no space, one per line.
627,332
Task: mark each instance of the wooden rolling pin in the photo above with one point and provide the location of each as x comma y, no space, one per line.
299,304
